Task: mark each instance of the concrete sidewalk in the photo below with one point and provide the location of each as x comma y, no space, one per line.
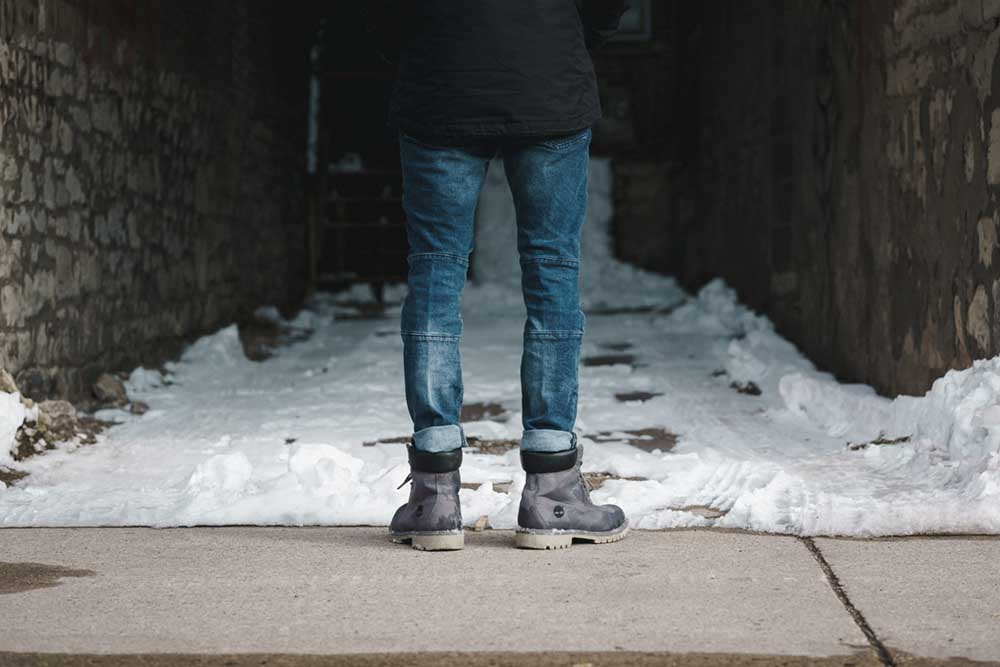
673,596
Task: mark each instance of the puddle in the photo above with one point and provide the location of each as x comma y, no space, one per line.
640,396
21,577
608,360
646,439
477,412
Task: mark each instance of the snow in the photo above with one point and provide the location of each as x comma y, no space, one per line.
143,379
12,414
282,441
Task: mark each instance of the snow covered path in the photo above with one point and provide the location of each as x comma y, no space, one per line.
283,441
296,439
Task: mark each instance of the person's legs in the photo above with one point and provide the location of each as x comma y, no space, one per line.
440,189
548,180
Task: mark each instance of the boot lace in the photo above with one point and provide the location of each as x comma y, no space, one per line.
409,478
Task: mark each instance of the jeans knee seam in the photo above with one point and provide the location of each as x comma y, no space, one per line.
430,336
551,261
553,334
438,255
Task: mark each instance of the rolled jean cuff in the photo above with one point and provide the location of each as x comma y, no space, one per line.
439,438
547,440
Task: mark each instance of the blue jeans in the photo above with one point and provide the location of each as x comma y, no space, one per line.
441,184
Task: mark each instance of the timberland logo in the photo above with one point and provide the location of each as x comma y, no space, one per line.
420,511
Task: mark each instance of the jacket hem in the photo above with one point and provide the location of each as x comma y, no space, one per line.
481,130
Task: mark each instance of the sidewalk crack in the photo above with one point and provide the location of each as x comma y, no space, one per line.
881,652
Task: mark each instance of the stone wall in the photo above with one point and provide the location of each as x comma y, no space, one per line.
844,177
151,158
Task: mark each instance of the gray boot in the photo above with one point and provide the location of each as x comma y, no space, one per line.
556,506
432,518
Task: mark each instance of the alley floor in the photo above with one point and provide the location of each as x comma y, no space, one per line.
659,597
693,412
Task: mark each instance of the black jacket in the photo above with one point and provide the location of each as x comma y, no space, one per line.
496,68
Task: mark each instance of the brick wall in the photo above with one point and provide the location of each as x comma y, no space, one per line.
151,160
844,177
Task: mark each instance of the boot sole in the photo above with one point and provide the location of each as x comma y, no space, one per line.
432,541
525,538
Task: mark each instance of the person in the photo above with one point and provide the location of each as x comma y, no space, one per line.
479,79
